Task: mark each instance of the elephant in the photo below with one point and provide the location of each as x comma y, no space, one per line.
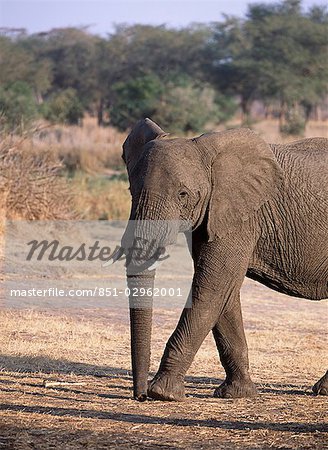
258,210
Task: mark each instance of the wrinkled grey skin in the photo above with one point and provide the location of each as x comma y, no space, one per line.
257,210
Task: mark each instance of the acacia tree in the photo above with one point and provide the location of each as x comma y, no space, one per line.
73,56
230,64
292,52
179,105
17,107
140,51
277,54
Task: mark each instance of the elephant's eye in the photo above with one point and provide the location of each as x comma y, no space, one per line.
183,197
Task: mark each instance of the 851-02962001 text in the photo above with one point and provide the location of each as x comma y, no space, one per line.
97,292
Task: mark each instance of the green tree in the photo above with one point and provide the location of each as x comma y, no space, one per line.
72,54
63,107
134,99
14,61
186,106
39,71
17,107
291,50
179,105
230,65
277,54
23,61
143,50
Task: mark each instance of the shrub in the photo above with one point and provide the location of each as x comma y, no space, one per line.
178,105
134,99
189,107
294,124
17,107
64,107
98,197
31,187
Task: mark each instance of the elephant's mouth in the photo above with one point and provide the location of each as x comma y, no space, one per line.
145,243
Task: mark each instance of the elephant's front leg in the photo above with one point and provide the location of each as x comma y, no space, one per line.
231,342
220,270
194,325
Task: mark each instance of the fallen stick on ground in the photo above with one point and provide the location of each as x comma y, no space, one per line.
62,383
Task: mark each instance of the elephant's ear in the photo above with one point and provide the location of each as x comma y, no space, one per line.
245,174
144,131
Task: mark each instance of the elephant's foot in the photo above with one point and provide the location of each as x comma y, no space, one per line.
321,386
166,388
236,389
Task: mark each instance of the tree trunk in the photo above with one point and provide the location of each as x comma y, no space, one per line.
100,113
245,110
282,114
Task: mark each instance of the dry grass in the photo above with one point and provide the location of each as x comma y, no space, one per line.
92,156
269,129
95,151
30,185
89,351
101,197
88,148
91,348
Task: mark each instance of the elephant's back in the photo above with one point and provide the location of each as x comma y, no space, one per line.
305,165
311,151
295,223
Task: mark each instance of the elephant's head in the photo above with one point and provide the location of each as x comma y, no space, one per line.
218,179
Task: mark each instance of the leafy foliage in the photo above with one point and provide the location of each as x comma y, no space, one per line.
294,122
64,107
17,107
189,107
134,99
277,54
184,78
179,105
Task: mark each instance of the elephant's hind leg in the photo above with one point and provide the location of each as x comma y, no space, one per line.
231,343
321,386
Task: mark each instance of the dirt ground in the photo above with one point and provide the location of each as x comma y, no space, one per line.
65,381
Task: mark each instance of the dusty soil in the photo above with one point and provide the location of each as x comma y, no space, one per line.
86,352
65,380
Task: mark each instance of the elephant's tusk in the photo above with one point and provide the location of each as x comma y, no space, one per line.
154,265
157,262
115,257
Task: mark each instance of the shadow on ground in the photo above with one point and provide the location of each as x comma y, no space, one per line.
33,364
145,419
20,366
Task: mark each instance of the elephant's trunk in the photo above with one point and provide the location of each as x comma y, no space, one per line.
140,324
140,282
146,232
